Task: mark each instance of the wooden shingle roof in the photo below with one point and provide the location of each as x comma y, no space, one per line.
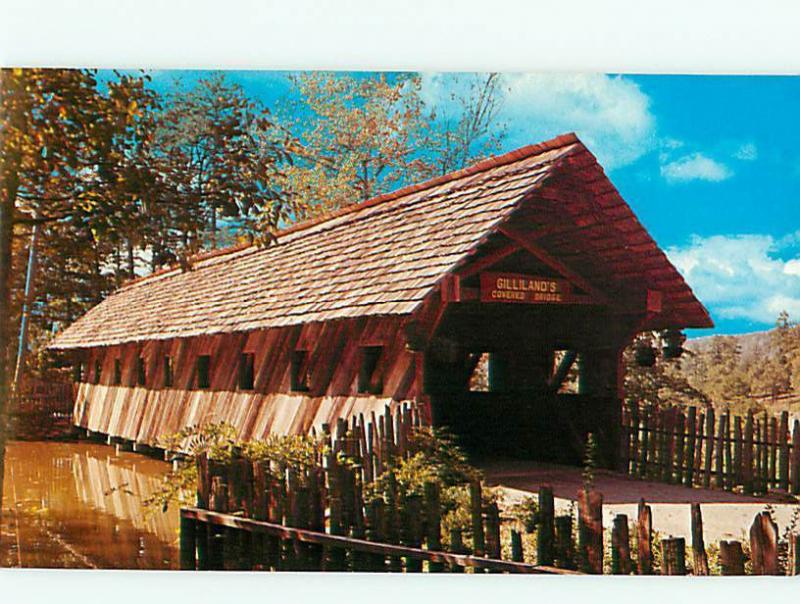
380,257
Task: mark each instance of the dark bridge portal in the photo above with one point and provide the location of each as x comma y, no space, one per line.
523,414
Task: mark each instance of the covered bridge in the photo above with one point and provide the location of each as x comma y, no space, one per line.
397,299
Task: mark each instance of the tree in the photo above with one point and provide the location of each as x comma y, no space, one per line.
146,210
72,274
107,170
360,136
662,385
62,140
720,372
727,380
785,342
769,366
356,137
219,155
770,370
468,127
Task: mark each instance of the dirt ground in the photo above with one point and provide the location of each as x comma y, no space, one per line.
725,515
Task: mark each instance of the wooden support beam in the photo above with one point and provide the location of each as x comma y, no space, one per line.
547,231
554,383
553,263
451,288
489,259
419,330
654,301
649,303
509,249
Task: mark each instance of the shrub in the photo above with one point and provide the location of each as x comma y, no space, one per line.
526,512
219,442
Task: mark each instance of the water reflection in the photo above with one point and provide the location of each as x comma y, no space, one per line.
79,505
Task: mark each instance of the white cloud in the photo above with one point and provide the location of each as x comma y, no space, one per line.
746,152
792,267
740,276
610,114
670,144
695,166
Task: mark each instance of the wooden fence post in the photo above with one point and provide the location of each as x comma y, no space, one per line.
680,437
783,455
336,556
245,487
545,534
729,471
391,447
412,525
433,522
757,469
719,478
690,446
709,447
260,494
795,463
747,455
203,480
275,514
361,561
202,530
391,529
699,556
476,513
644,539
764,545
333,557
698,454
202,536
765,455
217,538
634,456
456,547
794,555
188,544
772,476
673,556
300,518
624,441
590,530
668,444
645,446
620,546
654,446
317,486
564,550
737,450
662,426
517,554
316,514
375,524
731,558
292,555
493,545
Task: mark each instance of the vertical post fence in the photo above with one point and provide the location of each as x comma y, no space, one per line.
700,448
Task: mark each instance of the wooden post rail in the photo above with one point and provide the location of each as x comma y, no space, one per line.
361,545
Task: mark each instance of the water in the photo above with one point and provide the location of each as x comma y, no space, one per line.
80,505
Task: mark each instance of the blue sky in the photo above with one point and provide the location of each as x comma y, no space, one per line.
710,165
